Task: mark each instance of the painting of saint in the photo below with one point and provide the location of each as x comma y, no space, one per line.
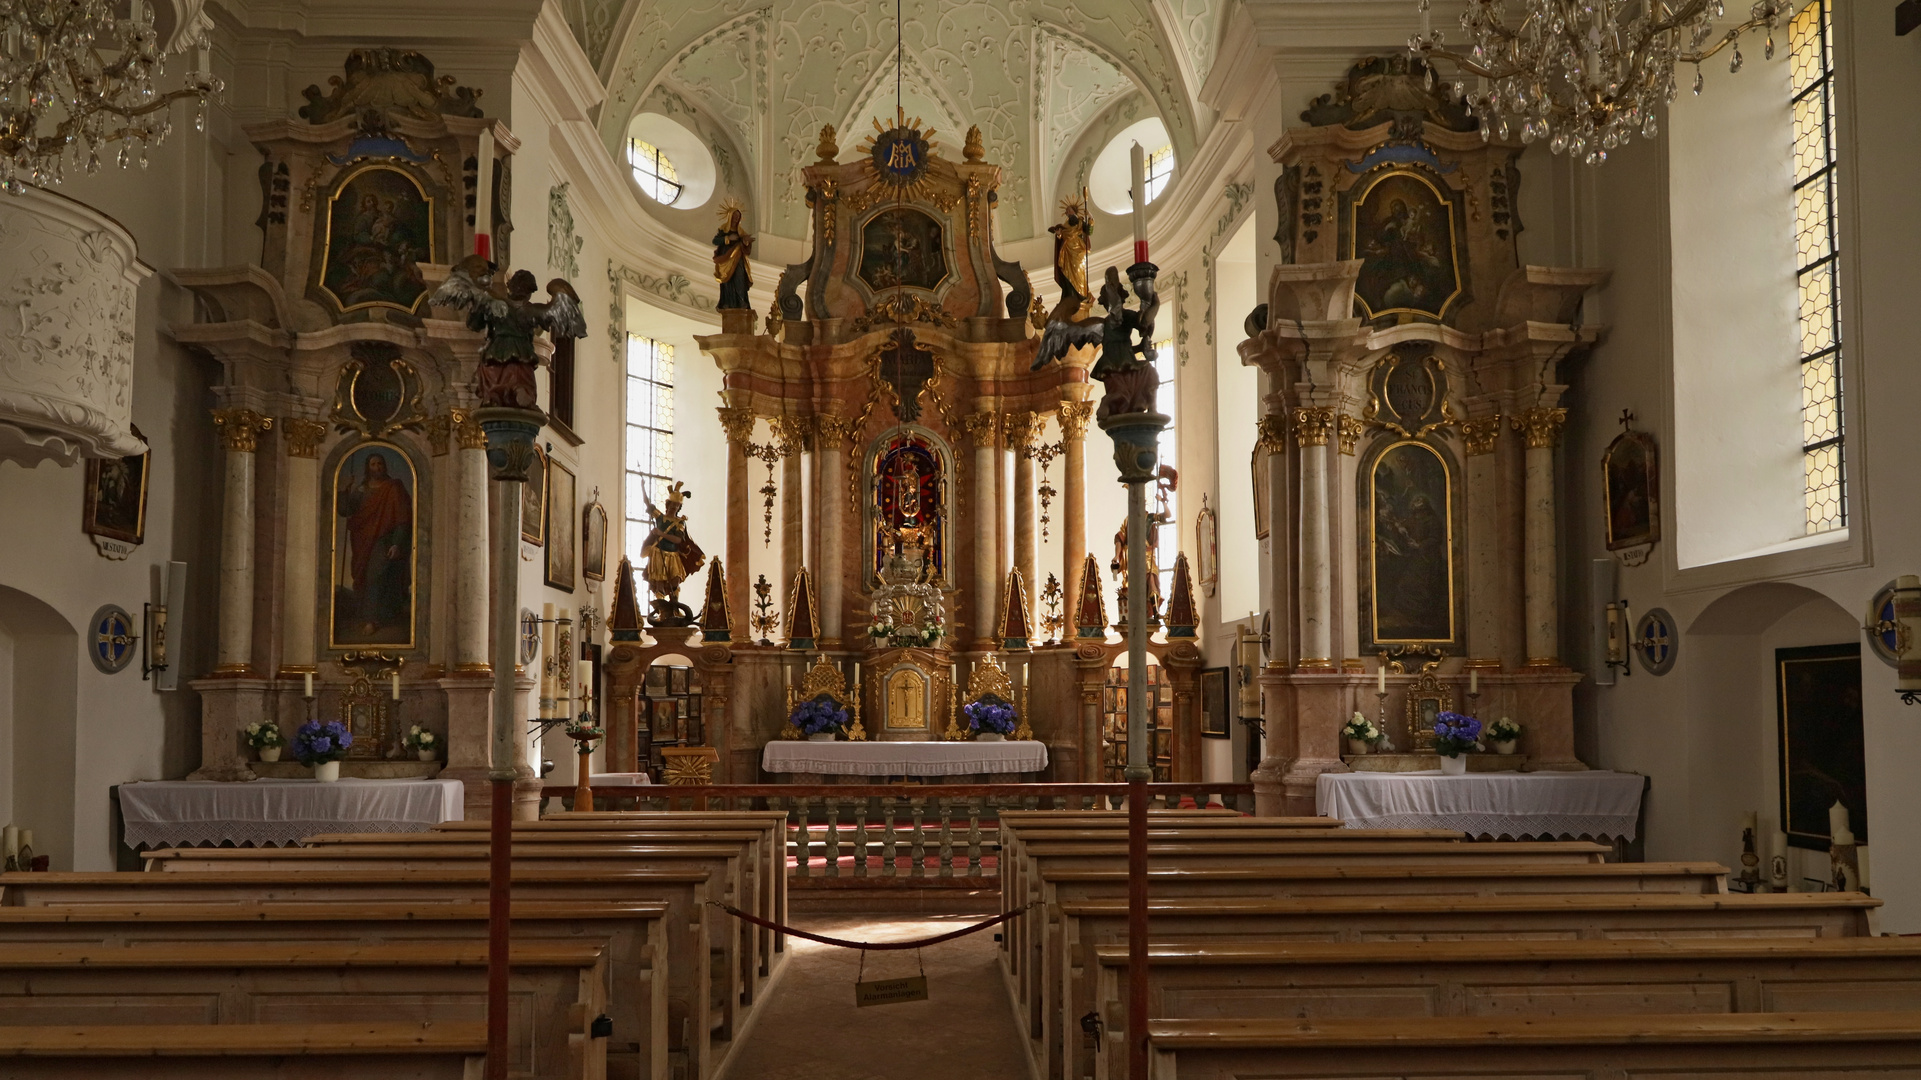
1412,539
593,542
561,548
116,497
1403,231
900,247
373,552
1822,747
533,501
379,228
1630,480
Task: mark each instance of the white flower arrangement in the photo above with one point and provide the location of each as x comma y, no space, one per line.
264,734
1503,730
1360,727
419,738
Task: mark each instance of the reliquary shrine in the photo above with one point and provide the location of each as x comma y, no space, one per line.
1404,474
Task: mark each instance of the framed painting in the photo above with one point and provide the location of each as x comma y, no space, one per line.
1631,486
677,680
664,715
1823,752
593,542
657,680
902,246
1408,551
1207,547
115,504
375,495
562,549
533,501
379,229
1402,227
1257,468
1214,704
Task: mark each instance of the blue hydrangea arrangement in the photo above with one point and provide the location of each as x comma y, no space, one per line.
1455,734
320,741
991,716
818,716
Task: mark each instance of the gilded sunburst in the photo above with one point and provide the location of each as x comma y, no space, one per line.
897,157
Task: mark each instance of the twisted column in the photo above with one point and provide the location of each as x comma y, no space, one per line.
1312,426
1542,427
470,545
240,431
739,426
982,429
1073,419
302,439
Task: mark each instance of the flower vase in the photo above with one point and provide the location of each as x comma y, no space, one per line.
1506,746
426,755
1356,747
1454,766
326,771
989,736
821,736
270,753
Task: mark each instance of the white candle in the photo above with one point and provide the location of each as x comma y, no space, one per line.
1380,678
10,841
484,197
307,685
1778,860
26,839
1838,831
203,61
1137,163
1473,680
396,685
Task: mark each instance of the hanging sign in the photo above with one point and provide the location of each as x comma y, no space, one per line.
890,991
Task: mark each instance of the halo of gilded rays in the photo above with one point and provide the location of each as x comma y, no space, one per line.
896,158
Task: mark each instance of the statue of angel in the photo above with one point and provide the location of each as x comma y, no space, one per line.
507,313
1126,337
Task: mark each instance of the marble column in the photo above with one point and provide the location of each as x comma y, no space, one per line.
1484,589
240,431
739,426
302,439
982,430
1542,427
1023,431
1073,419
470,546
1279,746
830,448
1312,426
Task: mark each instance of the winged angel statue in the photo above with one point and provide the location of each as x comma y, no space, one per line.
507,313
1126,366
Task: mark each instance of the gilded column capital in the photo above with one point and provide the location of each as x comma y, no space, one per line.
1348,430
240,429
302,437
1542,426
738,423
833,430
981,427
1312,425
1271,434
792,433
1074,416
439,430
1480,435
1023,429
467,430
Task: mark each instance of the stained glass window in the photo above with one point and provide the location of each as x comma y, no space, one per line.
1811,75
653,171
649,432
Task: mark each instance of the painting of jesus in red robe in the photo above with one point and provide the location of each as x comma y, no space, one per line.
373,560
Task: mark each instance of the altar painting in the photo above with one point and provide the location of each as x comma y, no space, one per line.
375,494
909,502
379,228
1402,229
902,247
1408,540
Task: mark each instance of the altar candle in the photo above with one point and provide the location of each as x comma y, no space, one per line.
484,196
1380,678
1137,163
1473,680
1838,831
307,685
1778,860
396,685
26,839
10,841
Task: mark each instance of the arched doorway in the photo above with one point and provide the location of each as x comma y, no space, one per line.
39,677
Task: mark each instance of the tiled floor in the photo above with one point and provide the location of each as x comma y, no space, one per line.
810,1029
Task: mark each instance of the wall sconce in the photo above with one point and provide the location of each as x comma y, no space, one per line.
1907,624
158,620
1611,625
1619,626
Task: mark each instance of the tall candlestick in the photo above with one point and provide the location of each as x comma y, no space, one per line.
1137,163
484,196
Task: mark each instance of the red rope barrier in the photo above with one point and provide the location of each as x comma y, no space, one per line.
880,946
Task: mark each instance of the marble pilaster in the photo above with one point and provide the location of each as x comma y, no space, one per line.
830,447
739,426
1023,431
1484,591
302,439
1542,427
239,430
470,546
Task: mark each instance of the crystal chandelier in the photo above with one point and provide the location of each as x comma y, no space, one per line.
1585,75
76,77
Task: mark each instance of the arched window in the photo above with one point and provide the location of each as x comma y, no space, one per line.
1168,400
650,432
1811,75
654,172
1160,170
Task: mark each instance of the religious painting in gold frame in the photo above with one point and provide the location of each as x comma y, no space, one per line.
1404,228
1410,562
1631,488
533,501
562,551
373,555
116,498
378,228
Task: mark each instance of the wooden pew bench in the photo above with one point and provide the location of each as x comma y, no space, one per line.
1068,993
670,902
384,1051
1789,1046
557,990
1393,980
630,933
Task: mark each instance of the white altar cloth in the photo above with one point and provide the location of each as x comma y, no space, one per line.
266,812
1498,804
904,758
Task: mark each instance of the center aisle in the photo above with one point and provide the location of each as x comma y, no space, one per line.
810,1028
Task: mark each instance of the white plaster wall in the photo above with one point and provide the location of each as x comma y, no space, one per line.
1236,415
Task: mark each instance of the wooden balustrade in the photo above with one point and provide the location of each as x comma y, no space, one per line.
827,820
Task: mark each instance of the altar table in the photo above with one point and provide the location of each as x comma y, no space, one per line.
1602,805
904,758
265,812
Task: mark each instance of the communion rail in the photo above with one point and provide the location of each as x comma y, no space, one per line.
916,831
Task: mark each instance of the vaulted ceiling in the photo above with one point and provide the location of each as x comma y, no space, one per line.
1034,75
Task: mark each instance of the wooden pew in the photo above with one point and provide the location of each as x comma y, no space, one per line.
1090,924
382,1051
684,922
1801,1046
558,989
631,933
1393,980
